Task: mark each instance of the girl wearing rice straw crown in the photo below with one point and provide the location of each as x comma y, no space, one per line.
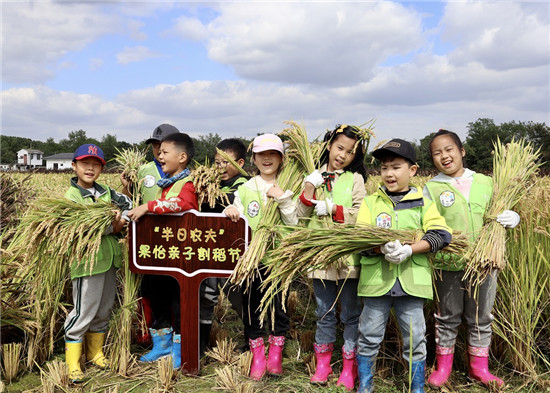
250,201
341,178
462,197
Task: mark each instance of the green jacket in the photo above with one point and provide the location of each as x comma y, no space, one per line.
460,214
414,274
110,252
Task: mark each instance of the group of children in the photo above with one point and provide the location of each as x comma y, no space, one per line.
394,275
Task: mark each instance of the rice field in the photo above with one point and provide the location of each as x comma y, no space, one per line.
32,317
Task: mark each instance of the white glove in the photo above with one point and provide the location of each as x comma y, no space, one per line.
399,255
315,178
390,247
323,208
508,219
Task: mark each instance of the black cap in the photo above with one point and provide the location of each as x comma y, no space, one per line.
162,132
398,147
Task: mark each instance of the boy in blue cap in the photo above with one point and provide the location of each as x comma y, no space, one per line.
94,285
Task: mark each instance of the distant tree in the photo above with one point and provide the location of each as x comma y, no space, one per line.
11,145
479,143
76,138
483,133
205,147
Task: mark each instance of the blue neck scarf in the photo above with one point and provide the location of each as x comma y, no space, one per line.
168,181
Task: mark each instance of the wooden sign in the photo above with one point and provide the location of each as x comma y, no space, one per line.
190,247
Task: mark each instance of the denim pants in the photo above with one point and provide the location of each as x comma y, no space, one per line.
457,301
410,316
326,294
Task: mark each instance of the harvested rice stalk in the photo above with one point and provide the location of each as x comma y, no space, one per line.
305,249
11,356
56,376
223,352
227,378
514,169
66,231
129,161
231,161
165,374
120,331
206,180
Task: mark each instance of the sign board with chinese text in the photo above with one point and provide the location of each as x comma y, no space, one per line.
190,247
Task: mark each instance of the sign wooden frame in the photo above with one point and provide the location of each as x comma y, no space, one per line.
173,244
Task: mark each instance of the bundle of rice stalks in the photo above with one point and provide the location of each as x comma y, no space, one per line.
223,352
244,362
56,376
165,374
128,162
66,231
227,378
206,180
514,169
120,330
11,356
306,249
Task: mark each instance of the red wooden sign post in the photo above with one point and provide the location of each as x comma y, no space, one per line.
190,247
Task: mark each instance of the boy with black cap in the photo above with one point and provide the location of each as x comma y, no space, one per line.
149,174
94,285
397,275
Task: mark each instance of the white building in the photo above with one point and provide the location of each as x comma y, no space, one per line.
29,158
59,162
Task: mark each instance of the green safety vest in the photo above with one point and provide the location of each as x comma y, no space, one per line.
175,190
148,176
109,252
415,274
252,203
460,214
342,194
234,186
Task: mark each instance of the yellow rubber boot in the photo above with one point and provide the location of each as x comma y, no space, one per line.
73,351
94,349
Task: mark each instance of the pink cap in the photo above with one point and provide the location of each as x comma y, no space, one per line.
268,142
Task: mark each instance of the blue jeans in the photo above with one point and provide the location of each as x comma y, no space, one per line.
410,315
326,294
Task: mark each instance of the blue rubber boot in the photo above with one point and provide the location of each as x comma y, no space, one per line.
418,376
365,369
176,351
162,344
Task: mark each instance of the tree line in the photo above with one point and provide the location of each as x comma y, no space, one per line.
478,144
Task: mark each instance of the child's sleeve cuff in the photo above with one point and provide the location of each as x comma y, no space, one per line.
305,201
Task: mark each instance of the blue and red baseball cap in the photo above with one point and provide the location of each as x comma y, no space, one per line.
89,150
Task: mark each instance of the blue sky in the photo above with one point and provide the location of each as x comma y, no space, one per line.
240,68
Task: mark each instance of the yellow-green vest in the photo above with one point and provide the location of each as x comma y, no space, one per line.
253,205
460,214
414,274
342,194
148,176
109,252
175,190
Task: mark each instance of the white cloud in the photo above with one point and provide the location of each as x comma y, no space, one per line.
499,35
35,35
136,53
188,28
319,43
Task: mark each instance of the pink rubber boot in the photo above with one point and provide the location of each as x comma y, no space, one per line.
258,366
349,370
275,355
479,367
444,365
323,354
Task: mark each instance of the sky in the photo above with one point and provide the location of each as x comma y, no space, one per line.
240,68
